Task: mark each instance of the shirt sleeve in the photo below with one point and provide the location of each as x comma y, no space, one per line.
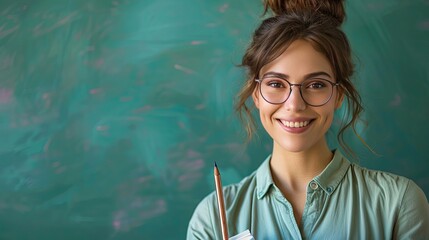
413,218
201,226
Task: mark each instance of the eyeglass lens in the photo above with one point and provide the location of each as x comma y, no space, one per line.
314,92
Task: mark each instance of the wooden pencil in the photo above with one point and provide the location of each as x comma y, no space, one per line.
220,201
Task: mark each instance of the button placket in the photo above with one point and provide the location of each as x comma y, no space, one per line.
314,185
312,206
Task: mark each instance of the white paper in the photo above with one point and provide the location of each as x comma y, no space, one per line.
246,235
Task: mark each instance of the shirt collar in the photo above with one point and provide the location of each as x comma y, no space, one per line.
264,179
332,175
328,180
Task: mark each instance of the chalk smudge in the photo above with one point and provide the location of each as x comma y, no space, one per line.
396,101
5,95
39,30
183,69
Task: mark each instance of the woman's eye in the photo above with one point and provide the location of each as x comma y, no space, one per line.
275,84
316,85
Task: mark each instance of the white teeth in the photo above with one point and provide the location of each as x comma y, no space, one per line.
295,124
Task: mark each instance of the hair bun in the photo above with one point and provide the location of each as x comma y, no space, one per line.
333,8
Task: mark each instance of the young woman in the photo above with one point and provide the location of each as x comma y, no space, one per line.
299,68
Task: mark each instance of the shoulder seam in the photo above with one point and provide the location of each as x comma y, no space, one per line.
403,195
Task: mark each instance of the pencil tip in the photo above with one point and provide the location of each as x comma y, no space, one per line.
215,164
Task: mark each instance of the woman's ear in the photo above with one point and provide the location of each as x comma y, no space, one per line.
255,97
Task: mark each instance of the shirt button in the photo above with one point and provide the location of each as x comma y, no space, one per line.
329,189
314,185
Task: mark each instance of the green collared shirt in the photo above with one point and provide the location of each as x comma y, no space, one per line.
344,202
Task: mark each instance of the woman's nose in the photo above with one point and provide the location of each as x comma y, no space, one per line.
295,101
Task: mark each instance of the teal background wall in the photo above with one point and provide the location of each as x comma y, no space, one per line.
112,112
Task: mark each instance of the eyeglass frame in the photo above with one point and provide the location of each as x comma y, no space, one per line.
336,84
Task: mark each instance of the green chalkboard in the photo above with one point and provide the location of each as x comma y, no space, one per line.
112,112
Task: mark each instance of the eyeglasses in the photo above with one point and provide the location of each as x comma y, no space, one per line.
315,92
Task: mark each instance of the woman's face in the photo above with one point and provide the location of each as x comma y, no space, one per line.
294,125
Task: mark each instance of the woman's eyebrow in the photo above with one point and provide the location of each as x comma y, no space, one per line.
317,74
276,74
307,76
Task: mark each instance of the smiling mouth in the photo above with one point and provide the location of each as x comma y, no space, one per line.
291,124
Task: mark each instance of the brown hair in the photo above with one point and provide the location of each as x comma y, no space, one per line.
317,22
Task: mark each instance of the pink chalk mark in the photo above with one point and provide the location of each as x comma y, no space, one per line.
224,7
8,31
192,154
187,181
197,42
60,170
117,224
7,61
197,164
47,145
56,164
191,165
99,63
424,25
126,99
102,128
396,101
21,207
159,208
47,98
144,179
200,106
186,177
46,95
183,69
143,109
95,90
5,95
25,122
88,49
181,125
38,30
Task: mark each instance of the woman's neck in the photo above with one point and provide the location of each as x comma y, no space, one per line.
295,169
